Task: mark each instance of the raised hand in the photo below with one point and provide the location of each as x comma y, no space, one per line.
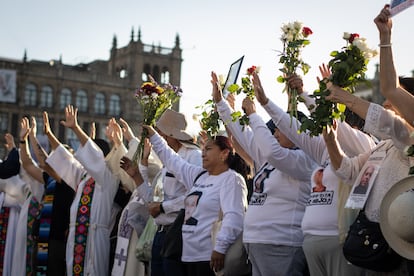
24,129
33,129
128,166
248,106
46,124
150,130
216,92
9,142
296,82
117,132
325,72
127,131
384,23
258,89
71,115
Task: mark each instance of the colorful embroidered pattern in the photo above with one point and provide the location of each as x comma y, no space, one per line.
32,216
44,227
81,228
4,221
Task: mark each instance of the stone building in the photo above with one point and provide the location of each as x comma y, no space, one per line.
100,89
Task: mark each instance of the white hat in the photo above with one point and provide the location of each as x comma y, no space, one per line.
174,124
397,217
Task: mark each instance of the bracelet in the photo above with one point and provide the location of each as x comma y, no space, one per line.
22,142
385,45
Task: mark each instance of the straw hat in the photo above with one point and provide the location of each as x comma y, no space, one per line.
397,217
174,124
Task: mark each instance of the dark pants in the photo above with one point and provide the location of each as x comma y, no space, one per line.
199,269
56,263
161,266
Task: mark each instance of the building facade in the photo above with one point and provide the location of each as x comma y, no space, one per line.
101,89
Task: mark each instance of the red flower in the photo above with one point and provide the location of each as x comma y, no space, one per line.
306,31
251,70
353,36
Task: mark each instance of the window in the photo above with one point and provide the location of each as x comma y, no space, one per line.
100,103
82,101
165,76
146,72
4,122
46,97
114,105
30,95
65,98
123,73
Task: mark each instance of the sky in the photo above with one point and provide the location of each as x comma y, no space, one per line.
213,34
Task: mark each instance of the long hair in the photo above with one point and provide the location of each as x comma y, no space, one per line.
234,161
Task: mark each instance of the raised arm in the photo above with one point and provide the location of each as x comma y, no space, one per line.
71,121
390,87
40,153
53,141
27,161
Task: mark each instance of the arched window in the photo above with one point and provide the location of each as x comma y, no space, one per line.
100,103
165,76
146,72
114,105
30,95
46,97
65,98
82,101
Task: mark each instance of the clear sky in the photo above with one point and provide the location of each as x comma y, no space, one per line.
213,34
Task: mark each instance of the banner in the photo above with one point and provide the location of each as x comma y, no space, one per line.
397,6
7,86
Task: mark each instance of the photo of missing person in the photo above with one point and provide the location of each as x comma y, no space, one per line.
317,183
364,181
191,202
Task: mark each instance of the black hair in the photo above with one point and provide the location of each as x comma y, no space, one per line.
103,145
300,116
407,83
353,119
234,161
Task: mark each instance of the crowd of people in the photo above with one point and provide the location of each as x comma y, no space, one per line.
82,212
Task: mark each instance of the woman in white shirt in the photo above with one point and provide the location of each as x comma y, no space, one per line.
215,187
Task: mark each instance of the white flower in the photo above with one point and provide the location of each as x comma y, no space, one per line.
346,36
154,95
298,26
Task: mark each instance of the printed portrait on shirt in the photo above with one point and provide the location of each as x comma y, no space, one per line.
317,181
191,203
320,195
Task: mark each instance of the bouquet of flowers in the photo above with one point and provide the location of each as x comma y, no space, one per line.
246,88
294,38
154,100
348,68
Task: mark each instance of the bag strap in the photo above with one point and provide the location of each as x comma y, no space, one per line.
198,176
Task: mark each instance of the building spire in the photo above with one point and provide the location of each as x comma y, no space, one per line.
177,41
139,33
132,34
25,56
114,42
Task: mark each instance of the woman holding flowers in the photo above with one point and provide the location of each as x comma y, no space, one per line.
272,227
386,124
219,188
320,224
